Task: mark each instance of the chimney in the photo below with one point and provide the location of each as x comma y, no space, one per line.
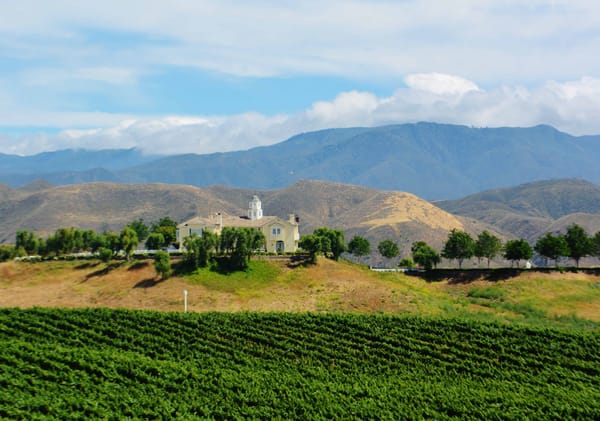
291,218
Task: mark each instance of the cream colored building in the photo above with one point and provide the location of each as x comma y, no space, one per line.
280,235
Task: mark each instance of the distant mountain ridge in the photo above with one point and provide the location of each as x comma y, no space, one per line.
531,209
433,161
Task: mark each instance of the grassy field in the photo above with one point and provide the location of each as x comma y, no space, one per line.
123,364
557,299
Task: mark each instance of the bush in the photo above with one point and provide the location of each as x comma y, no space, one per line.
488,293
7,252
406,263
105,254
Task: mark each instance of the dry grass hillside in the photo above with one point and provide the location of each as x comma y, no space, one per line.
102,206
276,285
530,210
375,214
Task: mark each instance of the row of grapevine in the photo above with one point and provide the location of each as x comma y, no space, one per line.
100,363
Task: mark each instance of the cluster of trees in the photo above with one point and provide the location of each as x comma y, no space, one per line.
326,241
234,247
73,240
575,244
460,245
107,244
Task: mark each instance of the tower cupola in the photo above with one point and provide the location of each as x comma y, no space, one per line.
255,209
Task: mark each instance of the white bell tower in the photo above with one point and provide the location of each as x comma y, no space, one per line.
255,209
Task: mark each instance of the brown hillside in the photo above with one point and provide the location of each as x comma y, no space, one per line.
530,210
375,214
102,206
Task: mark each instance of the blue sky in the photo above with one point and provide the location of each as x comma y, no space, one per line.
205,76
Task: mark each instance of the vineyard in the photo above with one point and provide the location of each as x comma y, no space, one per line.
100,363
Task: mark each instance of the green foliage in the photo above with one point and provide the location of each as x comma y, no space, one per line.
578,242
28,241
112,241
487,246
406,263
119,364
140,228
199,250
388,249
129,241
238,244
313,245
162,264
86,239
105,254
167,227
359,246
596,244
487,293
515,250
460,245
552,247
337,244
7,252
424,255
155,241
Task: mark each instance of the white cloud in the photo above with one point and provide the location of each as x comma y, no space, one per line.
440,84
572,106
484,40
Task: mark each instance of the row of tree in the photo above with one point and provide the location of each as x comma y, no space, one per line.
108,244
460,245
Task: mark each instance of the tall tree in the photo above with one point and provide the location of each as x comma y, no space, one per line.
155,241
313,245
388,249
140,228
552,247
64,240
424,255
460,245
112,241
487,246
337,244
239,244
199,249
596,244
129,241
359,246
167,227
516,250
579,243
88,238
28,241
162,264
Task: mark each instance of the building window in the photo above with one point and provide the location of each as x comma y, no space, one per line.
276,231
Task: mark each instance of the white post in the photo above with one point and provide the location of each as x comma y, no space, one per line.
185,294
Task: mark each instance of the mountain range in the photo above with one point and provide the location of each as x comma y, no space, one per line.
433,161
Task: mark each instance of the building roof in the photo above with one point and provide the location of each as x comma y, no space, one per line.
232,221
